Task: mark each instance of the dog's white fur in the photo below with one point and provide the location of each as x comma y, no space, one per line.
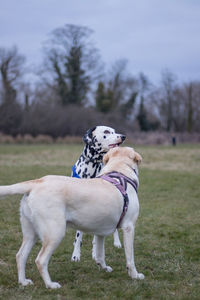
91,205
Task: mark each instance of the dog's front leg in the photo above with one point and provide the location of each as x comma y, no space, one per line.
76,255
117,242
94,243
100,253
128,236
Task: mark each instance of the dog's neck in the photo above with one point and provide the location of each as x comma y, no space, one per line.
124,169
135,170
90,162
93,155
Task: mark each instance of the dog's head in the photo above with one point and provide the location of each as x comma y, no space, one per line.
123,155
103,138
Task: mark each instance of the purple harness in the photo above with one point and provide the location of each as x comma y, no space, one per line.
120,181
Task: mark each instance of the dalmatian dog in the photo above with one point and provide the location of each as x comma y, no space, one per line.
98,141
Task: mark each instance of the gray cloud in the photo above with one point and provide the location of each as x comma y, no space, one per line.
151,34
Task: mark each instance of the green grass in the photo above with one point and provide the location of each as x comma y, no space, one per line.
167,242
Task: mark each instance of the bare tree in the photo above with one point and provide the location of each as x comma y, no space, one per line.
189,89
11,69
168,85
196,106
189,97
118,81
143,86
163,100
118,92
73,62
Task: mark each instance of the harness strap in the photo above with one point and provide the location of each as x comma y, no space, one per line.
121,185
123,179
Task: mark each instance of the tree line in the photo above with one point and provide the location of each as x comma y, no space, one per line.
75,91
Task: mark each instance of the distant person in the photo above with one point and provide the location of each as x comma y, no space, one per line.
173,141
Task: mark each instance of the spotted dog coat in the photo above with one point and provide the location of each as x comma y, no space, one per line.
98,141
90,162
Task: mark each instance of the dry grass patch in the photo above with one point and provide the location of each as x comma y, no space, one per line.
38,155
171,158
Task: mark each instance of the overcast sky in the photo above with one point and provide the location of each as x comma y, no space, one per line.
152,34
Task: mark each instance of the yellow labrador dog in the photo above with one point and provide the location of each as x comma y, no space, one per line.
94,206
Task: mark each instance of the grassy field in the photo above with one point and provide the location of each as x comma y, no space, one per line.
167,243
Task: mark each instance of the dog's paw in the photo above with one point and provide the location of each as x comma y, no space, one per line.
136,275
117,244
53,285
108,269
26,282
140,276
75,258
104,267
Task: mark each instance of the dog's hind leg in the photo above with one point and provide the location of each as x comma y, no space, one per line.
100,253
29,238
117,242
128,236
76,255
50,240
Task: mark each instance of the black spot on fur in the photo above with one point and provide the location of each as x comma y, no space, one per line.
77,234
94,174
88,136
92,151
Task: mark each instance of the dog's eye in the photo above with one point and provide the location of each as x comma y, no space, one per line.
104,137
107,132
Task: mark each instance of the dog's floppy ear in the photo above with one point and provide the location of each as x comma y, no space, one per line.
87,138
137,158
106,158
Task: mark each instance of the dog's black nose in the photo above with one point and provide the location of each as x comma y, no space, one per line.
123,137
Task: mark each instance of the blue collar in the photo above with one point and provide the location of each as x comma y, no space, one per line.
74,174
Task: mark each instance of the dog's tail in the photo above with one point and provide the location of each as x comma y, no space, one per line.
19,188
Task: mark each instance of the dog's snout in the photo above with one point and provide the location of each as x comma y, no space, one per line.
123,137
